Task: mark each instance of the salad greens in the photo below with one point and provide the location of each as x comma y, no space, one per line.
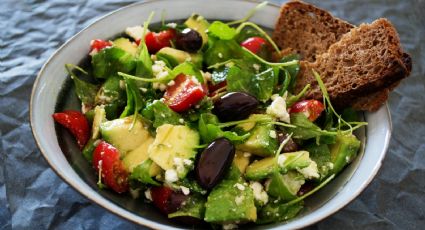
154,94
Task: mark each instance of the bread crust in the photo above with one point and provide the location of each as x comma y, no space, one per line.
368,93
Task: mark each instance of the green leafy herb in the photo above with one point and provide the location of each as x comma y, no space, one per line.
86,91
259,85
159,113
109,61
209,130
221,51
141,173
221,30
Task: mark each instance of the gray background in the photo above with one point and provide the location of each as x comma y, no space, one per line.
32,196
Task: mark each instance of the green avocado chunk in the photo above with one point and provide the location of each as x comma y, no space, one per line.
194,206
175,57
343,151
126,44
260,142
173,145
231,201
123,134
285,186
284,162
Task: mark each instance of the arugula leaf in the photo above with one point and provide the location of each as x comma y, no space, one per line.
144,62
109,61
113,96
259,85
222,50
209,130
221,30
159,113
189,69
141,173
277,212
194,206
305,129
86,91
135,101
292,69
322,156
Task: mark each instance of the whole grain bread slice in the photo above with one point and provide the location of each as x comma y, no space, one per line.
310,31
366,60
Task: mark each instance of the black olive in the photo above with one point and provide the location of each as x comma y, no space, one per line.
290,146
214,161
235,106
189,40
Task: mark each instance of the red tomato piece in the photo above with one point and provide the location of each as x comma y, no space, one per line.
184,93
311,108
254,44
160,197
156,41
114,174
167,200
99,44
76,123
215,87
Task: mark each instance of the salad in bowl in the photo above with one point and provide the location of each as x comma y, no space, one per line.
199,118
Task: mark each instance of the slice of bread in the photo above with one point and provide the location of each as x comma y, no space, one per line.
366,60
310,31
307,29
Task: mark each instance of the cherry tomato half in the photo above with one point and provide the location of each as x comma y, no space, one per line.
76,123
99,44
156,41
311,108
254,44
114,174
184,93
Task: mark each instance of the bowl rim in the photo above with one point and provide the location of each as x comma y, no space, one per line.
152,224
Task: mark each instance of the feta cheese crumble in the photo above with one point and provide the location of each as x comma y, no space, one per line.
185,190
278,108
171,176
135,32
148,194
310,171
240,186
272,134
259,193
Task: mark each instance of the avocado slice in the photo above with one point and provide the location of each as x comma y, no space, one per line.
284,162
174,142
126,45
260,142
343,151
261,169
231,201
285,186
123,134
241,160
138,155
175,57
200,24
99,117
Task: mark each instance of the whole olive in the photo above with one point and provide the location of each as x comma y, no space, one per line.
290,146
213,162
235,106
189,40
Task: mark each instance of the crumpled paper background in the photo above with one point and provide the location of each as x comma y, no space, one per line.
32,196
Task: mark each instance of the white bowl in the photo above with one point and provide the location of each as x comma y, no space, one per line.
52,88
